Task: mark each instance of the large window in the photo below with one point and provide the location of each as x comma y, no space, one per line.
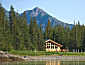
52,47
48,45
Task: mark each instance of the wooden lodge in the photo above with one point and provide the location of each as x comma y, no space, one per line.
53,46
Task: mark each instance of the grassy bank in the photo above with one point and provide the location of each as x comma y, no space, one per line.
32,53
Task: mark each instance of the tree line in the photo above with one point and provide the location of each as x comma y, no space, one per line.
16,34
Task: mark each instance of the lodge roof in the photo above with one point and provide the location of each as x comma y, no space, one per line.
53,42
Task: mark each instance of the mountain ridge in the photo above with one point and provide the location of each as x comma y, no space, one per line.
42,17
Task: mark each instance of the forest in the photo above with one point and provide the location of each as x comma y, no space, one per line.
17,34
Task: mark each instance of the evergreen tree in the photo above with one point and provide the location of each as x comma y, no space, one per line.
67,37
20,37
40,39
54,33
35,33
45,34
5,38
73,37
2,43
48,31
31,33
31,29
25,34
13,22
83,38
59,34
78,35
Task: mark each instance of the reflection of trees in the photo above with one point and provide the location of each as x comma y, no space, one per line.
52,63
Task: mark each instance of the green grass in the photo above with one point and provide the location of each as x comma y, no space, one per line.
32,53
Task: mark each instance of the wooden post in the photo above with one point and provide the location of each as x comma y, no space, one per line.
73,50
54,46
78,50
50,46
35,50
81,50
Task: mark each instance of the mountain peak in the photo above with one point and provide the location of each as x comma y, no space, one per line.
36,8
37,11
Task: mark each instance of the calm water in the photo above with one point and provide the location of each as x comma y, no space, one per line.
44,63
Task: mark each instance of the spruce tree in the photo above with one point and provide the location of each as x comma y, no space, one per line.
5,38
45,34
73,37
83,38
25,34
13,22
20,39
31,33
67,37
60,36
78,35
48,31
40,39
54,31
35,33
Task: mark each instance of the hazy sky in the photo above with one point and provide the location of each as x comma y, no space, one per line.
64,10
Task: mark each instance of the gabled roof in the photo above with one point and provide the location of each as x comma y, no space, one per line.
53,42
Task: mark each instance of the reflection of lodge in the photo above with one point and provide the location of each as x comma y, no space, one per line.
53,46
52,62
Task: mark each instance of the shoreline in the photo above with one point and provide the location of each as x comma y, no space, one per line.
12,57
54,58
44,58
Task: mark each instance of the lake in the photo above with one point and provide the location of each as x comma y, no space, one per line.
44,63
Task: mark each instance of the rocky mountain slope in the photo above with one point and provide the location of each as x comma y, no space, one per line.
42,17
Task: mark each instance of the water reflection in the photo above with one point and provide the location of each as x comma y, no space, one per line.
65,62
52,62
44,63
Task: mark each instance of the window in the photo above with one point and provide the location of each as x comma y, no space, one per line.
52,47
52,43
55,46
48,47
48,43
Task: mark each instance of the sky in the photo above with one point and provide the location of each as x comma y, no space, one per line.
67,11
